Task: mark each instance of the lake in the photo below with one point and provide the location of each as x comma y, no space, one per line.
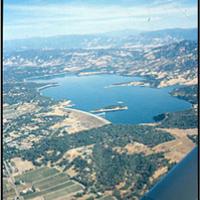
91,92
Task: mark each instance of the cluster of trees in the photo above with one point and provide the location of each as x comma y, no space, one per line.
111,168
183,119
159,117
188,93
111,135
28,92
194,138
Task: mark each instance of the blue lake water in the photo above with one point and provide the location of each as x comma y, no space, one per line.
90,93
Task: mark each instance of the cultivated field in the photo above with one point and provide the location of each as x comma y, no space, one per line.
107,198
49,184
37,174
8,191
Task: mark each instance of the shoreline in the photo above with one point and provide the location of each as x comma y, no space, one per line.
34,78
129,84
117,108
47,86
90,114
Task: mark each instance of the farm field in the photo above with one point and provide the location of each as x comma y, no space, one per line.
66,186
37,174
64,192
48,183
8,190
107,198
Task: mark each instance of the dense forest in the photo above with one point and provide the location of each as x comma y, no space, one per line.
188,93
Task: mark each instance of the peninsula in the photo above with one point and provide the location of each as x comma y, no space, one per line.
111,108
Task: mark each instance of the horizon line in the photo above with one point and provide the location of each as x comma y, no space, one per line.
138,31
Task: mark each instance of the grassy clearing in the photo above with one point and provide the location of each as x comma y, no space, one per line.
64,192
64,185
51,181
8,191
9,194
37,174
107,198
5,185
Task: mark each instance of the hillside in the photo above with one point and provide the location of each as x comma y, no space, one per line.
118,39
162,66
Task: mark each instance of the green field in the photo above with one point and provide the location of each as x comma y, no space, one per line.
51,181
5,185
37,174
107,198
8,191
63,189
50,189
64,192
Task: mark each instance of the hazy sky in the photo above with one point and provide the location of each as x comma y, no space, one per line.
26,18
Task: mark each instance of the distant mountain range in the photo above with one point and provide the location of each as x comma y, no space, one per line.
118,39
168,64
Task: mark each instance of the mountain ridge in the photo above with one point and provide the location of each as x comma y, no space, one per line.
113,39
